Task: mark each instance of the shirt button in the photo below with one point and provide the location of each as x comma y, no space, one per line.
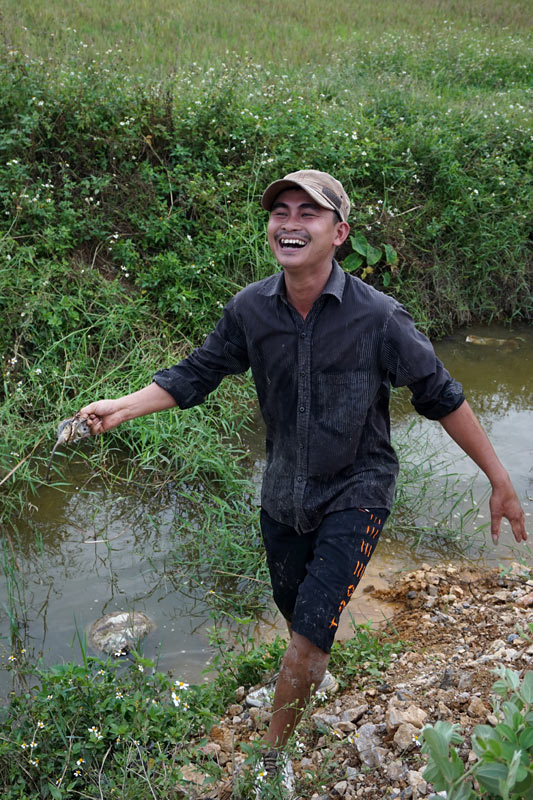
299,479
302,409
302,374
303,335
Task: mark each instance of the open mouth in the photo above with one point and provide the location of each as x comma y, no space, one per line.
291,243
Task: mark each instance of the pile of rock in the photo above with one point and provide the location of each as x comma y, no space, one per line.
458,625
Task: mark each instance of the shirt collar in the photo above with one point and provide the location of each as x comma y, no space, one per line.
334,286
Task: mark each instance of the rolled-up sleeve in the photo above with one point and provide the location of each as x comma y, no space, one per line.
223,353
411,361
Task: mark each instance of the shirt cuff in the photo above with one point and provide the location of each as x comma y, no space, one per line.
450,398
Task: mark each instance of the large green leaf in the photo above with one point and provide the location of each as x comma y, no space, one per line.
490,775
391,256
526,690
353,261
373,254
359,243
525,739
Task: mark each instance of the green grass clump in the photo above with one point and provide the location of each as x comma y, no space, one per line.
122,728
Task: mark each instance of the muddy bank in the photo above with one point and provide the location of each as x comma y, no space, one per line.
458,626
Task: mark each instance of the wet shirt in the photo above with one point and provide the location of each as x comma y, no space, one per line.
323,386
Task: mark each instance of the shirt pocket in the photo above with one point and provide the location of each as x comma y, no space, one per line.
342,402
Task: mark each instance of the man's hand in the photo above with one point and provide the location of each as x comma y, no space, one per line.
104,415
465,429
505,503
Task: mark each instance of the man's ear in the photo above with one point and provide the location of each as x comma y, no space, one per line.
343,229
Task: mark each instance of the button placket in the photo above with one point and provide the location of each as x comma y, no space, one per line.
303,408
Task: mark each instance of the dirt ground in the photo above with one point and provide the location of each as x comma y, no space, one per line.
458,626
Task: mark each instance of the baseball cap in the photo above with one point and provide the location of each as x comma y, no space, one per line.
325,190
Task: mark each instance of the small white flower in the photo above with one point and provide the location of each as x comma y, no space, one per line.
181,685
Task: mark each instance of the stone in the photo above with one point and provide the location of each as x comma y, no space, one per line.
320,719
417,782
367,745
396,770
192,775
526,601
235,710
396,715
117,633
404,737
341,788
354,713
476,708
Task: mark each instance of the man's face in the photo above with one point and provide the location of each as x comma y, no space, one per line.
302,234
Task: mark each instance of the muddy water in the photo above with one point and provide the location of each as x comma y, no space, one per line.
87,553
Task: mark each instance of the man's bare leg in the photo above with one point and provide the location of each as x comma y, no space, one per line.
302,670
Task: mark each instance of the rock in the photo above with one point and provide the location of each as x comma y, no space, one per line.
395,770
417,782
210,749
526,601
476,708
321,719
118,632
397,715
404,738
240,694
192,775
354,713
340,788
367,745
235,710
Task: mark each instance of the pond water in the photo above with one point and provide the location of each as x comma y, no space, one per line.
88,553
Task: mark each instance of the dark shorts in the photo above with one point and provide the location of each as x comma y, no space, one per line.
314,574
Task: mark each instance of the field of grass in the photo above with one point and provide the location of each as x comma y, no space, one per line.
161,36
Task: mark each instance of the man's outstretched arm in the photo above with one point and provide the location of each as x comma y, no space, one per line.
103,415
464,428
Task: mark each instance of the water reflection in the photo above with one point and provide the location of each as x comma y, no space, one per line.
91,548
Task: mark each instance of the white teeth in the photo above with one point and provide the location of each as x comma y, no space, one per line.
297,242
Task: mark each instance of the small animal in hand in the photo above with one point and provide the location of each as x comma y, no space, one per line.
69,431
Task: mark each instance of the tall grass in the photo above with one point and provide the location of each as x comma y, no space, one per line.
161,36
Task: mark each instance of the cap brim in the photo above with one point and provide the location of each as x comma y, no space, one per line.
272,191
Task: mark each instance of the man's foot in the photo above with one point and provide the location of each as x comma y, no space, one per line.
275,774
263,697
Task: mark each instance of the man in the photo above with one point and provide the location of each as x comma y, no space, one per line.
324,349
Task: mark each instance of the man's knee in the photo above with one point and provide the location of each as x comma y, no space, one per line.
302,656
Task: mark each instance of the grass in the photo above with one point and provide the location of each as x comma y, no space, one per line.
161,37
120,728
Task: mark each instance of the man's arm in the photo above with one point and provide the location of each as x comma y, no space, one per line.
103,415
465,429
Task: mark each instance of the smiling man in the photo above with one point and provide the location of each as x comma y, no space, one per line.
324,349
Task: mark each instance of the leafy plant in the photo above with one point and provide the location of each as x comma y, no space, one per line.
504,768
368,255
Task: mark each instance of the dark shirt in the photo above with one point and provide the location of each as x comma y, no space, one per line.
323,385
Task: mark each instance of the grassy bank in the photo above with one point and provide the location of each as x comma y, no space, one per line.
129,207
